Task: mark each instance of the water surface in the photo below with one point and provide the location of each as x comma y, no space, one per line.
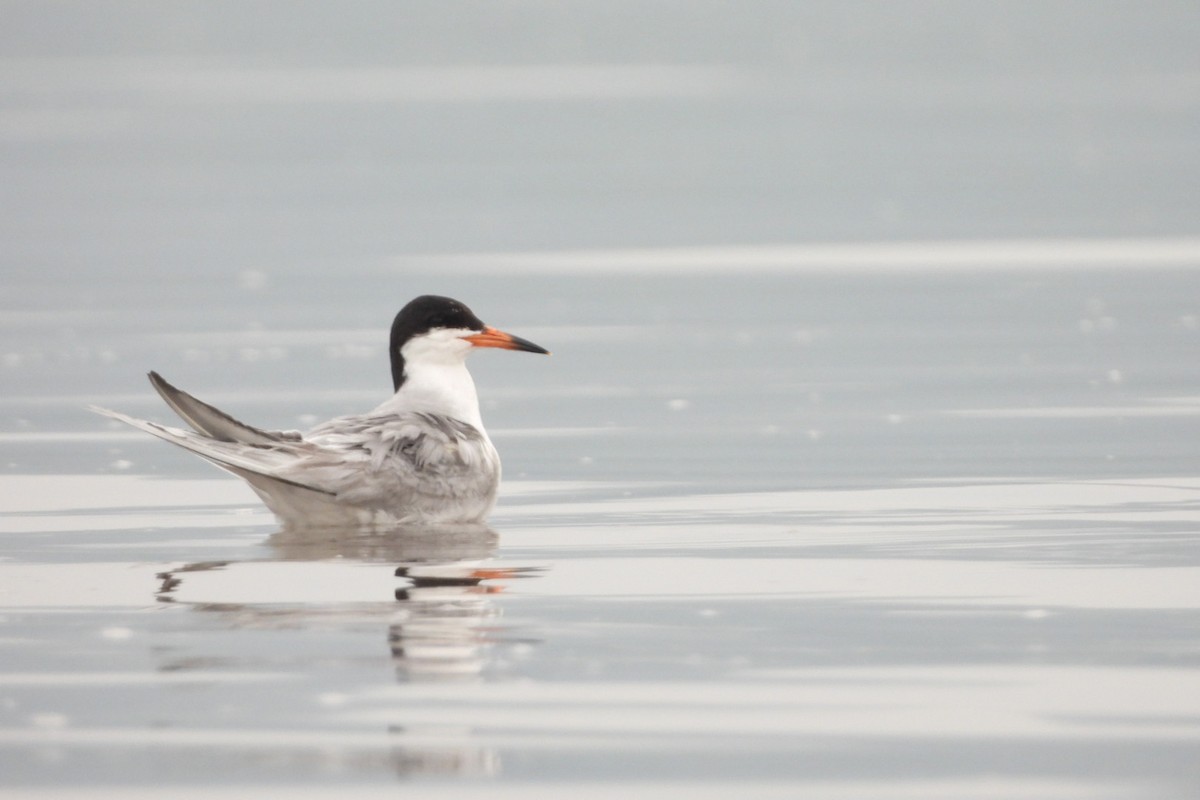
873,534
865,465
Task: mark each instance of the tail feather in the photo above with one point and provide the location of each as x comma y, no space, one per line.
257,465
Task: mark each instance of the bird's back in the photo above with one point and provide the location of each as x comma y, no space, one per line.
413,466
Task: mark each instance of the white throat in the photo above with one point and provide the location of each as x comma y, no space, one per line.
436,379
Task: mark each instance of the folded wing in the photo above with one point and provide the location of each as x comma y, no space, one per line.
411,463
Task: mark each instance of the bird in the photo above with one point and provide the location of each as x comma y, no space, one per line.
422,457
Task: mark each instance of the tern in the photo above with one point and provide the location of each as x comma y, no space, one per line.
422,457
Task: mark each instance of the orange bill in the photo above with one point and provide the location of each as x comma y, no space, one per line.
506,341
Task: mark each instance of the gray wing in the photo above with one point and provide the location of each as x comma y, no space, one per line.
408,463
363,460
267,461
390,460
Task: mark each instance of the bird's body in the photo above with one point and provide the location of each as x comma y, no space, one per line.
420,457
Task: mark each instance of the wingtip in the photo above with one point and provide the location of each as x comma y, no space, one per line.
164,388
108,412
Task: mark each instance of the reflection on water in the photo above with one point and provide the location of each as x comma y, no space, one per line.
443,627
400,544
806,636
440,624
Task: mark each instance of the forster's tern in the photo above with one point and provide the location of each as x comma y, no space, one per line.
421,457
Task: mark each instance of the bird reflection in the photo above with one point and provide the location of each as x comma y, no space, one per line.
441,630
399,544
443,623
442,619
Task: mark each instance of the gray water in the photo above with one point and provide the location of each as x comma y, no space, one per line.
865,464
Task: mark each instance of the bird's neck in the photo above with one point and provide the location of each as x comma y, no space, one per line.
438,388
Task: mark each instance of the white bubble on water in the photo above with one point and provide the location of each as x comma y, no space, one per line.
252,279
116,634
194,355
521,650
49,720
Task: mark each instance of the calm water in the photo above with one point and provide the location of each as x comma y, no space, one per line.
865,465
915,535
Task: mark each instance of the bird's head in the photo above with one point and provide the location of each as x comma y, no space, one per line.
433,329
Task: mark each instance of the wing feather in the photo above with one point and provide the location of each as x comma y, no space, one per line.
213,421
409,465
237,457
